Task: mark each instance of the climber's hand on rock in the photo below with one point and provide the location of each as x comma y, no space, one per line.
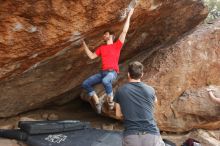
133,3
210,88
131,12
83,42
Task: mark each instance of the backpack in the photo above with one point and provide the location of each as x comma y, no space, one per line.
191,142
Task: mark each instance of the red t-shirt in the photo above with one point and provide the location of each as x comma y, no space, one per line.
110,55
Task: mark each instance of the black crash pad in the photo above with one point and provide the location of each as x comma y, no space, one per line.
62,133
87,137
44,127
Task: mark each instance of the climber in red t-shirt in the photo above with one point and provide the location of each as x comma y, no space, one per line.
109,54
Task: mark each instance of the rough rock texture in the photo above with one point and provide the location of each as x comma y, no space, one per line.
194,109
181,73
7,142
41,59
206,138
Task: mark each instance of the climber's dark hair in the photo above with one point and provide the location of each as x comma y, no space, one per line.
110,32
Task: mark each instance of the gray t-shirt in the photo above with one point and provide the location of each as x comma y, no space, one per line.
137,105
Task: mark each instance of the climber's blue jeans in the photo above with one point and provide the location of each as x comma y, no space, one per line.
104,77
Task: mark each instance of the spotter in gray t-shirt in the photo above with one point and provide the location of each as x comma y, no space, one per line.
136,100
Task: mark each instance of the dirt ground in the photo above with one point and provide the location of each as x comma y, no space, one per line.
75,110
71,111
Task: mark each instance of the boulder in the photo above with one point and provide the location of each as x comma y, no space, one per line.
181,73
8,142
205,137
42,59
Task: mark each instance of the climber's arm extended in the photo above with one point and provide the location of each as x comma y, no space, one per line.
213,97
126,26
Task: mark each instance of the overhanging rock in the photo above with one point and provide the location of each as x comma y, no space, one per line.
42,60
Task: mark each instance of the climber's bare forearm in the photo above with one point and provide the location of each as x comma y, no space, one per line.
126,26
217,100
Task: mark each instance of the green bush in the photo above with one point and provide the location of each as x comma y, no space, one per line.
214,9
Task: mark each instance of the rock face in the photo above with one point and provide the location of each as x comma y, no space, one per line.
181,74
41,57
194,109
7,142
206,138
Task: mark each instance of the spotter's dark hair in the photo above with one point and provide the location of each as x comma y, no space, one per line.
135,70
